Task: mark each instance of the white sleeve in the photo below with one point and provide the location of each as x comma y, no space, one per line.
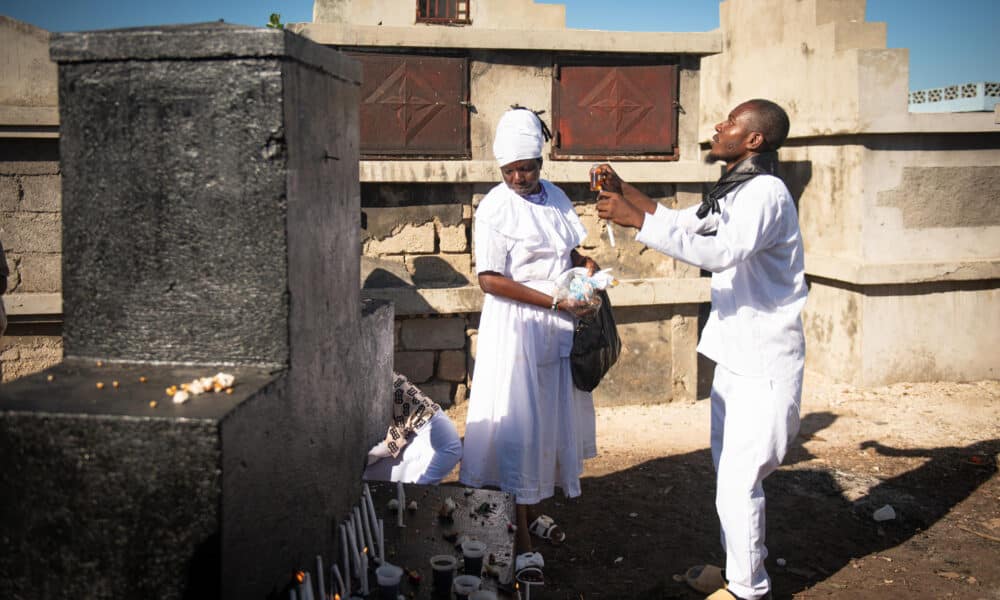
748,230
491,249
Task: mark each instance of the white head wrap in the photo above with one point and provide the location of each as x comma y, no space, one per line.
519,137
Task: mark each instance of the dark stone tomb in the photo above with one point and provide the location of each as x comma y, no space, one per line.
210,224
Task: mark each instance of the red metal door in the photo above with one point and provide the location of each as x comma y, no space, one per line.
414,106
615,111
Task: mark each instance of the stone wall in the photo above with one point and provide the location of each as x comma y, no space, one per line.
898,211
30,201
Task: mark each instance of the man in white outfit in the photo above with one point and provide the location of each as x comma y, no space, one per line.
746,233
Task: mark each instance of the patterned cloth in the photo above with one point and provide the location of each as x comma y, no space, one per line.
411,410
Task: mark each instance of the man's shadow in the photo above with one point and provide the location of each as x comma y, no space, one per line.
633,531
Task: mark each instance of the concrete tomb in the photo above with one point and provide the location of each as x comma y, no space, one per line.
210,223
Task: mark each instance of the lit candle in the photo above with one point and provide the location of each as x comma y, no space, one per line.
364,574
381,541
341,590
364,536
401,498
345,560
366,521
307,587
320,582
374,518
358,530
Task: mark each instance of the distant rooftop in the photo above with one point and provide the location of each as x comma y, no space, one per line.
966,97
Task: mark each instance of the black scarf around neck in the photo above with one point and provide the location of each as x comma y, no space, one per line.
765,163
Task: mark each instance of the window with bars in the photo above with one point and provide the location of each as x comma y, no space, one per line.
443,11
615,110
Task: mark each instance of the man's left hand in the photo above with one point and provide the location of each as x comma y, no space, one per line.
614,207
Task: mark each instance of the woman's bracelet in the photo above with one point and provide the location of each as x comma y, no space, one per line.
555,303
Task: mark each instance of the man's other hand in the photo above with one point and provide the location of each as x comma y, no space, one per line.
614,207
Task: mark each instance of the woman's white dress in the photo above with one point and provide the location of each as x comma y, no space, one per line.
528,428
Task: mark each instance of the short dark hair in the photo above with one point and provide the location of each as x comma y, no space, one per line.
771,121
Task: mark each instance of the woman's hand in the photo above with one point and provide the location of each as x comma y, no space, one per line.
579,308
586,262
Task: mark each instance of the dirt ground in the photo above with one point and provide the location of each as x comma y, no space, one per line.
929,450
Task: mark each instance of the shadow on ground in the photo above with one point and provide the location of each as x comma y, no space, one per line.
632,530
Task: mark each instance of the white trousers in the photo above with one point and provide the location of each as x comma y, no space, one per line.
427,459
753,421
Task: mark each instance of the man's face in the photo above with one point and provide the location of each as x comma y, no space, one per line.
522,176
734,140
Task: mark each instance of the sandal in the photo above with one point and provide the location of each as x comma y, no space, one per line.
528,568
545,527
705,579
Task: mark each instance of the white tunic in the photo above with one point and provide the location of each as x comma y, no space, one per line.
758,275
528,429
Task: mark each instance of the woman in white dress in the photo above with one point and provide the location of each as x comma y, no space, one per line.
528,428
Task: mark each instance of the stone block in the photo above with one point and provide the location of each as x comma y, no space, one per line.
32,232
440,269
440,392
41,193
417,366
41,273
433,334
453,238
10,194
451,365
461,394
414,239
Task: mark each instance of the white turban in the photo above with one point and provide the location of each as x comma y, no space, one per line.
519,137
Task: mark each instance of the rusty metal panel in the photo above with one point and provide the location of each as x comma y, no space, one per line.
615,110
414,106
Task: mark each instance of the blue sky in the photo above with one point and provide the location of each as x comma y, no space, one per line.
950,42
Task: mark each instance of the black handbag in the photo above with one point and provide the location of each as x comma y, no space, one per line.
596,346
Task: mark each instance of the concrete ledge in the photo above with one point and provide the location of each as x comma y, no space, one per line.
29,121
33,304
861,273
567,40
469,299
471,171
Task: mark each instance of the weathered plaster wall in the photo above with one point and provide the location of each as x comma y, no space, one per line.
27,76
511,14
926,201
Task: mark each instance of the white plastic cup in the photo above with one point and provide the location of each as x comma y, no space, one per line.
388,581
465,585
472,552
443,571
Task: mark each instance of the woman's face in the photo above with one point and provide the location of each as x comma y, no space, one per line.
522,175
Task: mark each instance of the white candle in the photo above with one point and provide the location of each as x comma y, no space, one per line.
401,498
366,522
364,574
363,540
320,582
307,587
374,522
345,560
340,583
381,541
355,557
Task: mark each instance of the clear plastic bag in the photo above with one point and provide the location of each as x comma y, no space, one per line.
575,284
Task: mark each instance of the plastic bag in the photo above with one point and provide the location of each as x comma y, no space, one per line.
575,284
